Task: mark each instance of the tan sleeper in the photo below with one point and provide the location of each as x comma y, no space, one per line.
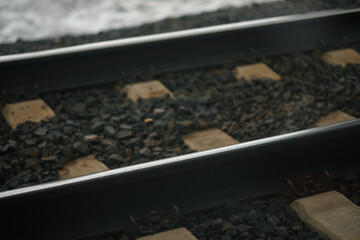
334,117
176,234
33,110
330,214
257,70
208,139
82,166
144,90
341,57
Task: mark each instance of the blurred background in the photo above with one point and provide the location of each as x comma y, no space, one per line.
36,19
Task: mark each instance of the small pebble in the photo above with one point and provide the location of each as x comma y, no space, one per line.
41,132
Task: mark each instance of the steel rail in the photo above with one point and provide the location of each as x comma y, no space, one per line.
107,61
98,203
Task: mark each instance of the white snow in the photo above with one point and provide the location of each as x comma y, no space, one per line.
36,19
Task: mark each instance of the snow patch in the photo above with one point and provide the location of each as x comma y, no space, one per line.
37,19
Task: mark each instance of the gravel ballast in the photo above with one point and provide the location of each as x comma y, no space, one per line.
103,122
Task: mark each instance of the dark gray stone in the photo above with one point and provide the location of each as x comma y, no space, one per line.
264,227
158,112
282,231
243,228
68,130
145,151
81,147
26,178
232,231
206,224
227,237
124,134
15,181
235,219
97,126
31,141
297,227
49,158
125,127
273,220
109,130
116,159
91,138
41,131
31,163
217,224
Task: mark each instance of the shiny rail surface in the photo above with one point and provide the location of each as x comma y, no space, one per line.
98,203
107,61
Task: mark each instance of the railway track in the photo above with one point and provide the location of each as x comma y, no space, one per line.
195,181
79,65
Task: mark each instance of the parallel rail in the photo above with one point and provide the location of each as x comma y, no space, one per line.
99,203
103,62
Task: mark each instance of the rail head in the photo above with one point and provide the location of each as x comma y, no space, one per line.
203,158
100,202
106,62
197,32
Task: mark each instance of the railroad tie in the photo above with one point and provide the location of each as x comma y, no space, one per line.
256,70
144,90
341,57
330,214
175,234
208,139
334,117
82,166
33,110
